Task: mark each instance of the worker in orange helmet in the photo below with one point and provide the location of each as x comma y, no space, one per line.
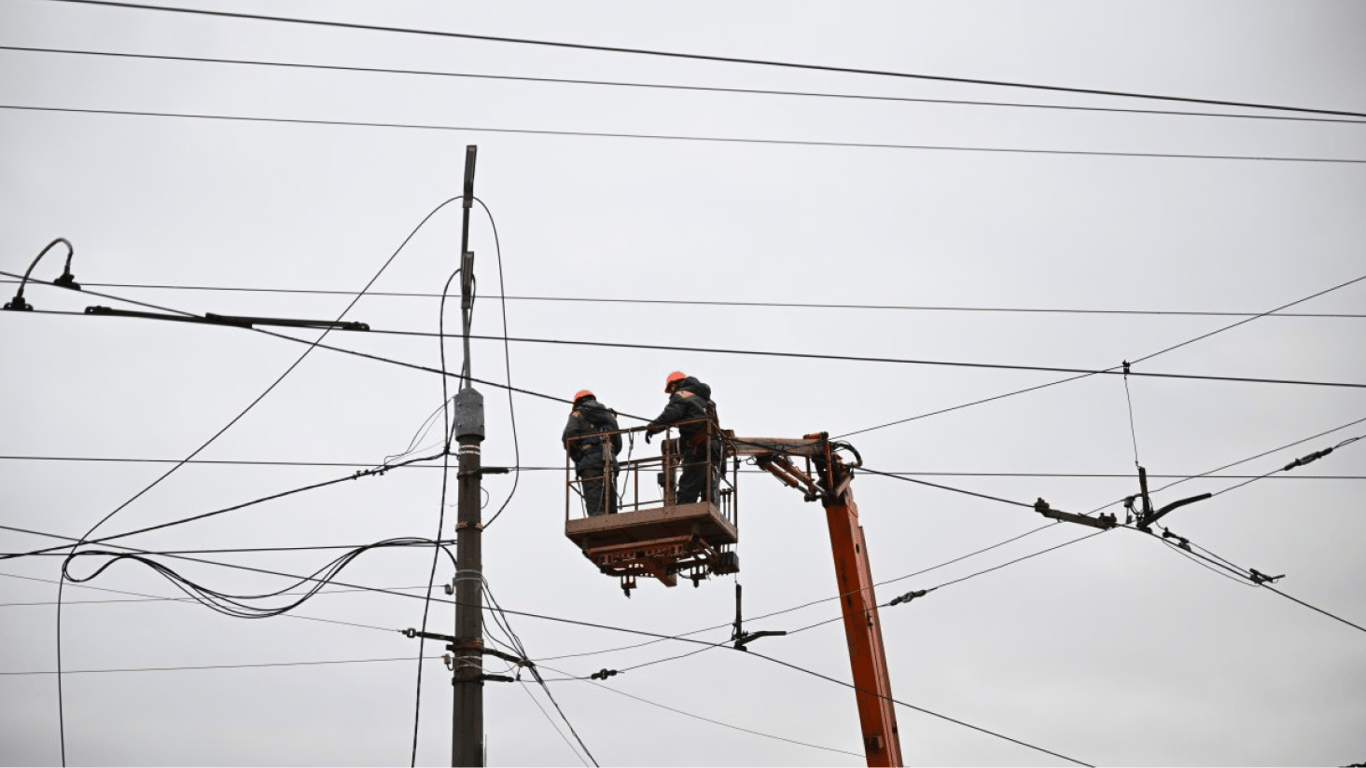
691,408
593,440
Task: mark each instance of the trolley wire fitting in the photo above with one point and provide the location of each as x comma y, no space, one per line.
1103,522
1181,541
1147,516
67,280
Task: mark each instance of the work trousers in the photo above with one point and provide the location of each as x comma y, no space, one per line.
599,495
700,477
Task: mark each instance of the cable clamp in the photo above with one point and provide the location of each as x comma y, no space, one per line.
1315,456
1261,578
603,674
1182,541
908,597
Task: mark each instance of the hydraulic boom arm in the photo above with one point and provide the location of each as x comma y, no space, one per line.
862,628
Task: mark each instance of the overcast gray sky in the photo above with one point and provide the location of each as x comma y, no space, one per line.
1115,650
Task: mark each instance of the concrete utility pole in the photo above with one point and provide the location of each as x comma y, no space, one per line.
467,736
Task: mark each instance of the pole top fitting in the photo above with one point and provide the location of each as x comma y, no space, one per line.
469,414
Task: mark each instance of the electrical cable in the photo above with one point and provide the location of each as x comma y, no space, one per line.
679,137
721,723
1129,398
1022,559
507,369
61,710
524,468
209,551
197,667
922,710
501,621
552,722
1247,574
188,600
141,597
662,86
701,57
1313,608
760,304
240,605
1286,468
544,617
201,516
1108,370
945,487
1210,473
1244,321
1114,370
446,429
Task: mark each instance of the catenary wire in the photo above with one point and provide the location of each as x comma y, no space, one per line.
721,723
761,304
922,710
1286,468
1125,368
525,468
1083,372
196,667
679,137
945,487
662,86
1216,562
1230,465
703,57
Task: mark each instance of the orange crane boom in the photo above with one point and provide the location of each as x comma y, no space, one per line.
862,627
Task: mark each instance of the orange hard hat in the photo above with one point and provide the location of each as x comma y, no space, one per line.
675,376
582,393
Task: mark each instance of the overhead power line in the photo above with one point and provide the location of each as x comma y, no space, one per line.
222,510
190,600
371,465
721,723
707,57
192,667
676,137
760,304
751,352
1122,369
660,86
581,623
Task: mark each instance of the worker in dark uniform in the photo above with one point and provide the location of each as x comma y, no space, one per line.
691,408
593,441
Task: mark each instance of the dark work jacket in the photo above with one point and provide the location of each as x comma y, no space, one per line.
689,402
583,434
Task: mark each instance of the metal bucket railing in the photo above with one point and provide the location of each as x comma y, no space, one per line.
652,481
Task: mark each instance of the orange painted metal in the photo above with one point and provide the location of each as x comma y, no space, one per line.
862,628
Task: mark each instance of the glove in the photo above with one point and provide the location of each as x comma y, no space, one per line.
648,435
